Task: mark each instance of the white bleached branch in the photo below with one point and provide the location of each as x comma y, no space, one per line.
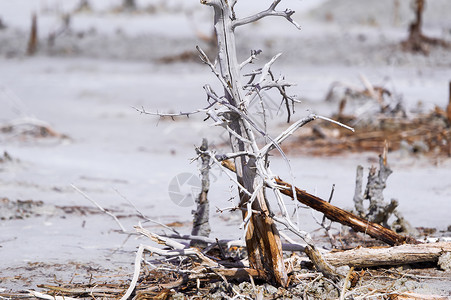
136,272
336,122
203,56
142,110
251,58
271,11
287,133
266,68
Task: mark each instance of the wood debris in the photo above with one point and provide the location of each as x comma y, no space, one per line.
29,128
423,133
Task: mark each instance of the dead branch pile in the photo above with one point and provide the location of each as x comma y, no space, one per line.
177,271
426,133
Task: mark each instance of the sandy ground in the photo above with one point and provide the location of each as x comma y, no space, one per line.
85,85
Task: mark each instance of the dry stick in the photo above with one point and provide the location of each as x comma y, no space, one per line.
99,207
44,296
345,284
132,286
99,290
159,239
179,249
344,217
144,216
322,265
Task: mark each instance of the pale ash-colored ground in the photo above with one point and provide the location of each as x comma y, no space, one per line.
85,88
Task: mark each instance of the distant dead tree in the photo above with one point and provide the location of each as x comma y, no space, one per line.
83,6
417,41
129,4
33,39
2,24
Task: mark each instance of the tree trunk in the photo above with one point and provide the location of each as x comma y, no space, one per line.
262,237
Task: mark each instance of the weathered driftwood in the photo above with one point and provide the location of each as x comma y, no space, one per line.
201,225
389,256
379,211
344,217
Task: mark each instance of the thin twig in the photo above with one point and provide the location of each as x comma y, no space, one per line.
100,207
336,122
266,13
345,284
145,217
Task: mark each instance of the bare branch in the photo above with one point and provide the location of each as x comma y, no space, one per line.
287,13
172,115
242,188
287,133
159,239
266,68
336,122
233,155
251,58
136,272
144,216
206,60
100,207
249,206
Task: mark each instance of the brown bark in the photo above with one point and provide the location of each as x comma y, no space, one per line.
264,246
389,256
344,217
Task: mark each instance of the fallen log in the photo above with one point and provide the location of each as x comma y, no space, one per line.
344,217
337,214
388,256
